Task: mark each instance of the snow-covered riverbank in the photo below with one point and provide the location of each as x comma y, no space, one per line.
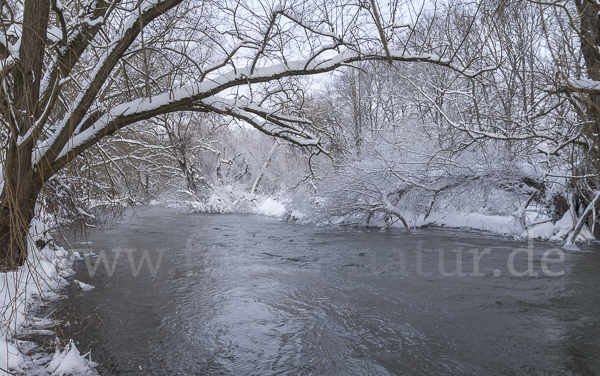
40,280
536,226
528,224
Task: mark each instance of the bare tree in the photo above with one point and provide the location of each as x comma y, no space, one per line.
498,143
72,74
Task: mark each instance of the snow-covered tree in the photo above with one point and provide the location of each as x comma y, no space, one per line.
76,71
412,140
522,139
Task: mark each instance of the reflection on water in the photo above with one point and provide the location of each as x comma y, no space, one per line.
249,295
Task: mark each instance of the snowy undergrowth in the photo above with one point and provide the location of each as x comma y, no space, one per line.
230,200
530,224
40,279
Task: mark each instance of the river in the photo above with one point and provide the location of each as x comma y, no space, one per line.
251,295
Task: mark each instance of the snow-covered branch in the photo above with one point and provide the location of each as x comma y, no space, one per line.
102,71
583,85
183,98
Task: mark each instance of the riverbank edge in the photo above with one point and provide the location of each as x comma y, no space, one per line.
40,280
520,226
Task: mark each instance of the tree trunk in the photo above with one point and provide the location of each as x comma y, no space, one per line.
17,208
590,31
263,169
21,184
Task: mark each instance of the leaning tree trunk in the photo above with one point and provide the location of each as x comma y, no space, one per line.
21,183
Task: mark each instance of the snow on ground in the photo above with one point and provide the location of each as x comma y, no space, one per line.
271,208
41,277
538,226
230,200
493,223
70,362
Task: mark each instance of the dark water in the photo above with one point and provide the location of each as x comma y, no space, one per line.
249,295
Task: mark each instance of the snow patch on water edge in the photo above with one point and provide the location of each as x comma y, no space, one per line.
40,279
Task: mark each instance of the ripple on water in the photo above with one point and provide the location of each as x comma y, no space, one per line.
247,295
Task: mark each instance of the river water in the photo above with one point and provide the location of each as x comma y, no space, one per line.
251,295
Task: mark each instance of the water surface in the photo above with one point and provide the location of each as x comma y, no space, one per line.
250,295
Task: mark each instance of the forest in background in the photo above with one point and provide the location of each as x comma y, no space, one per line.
403,141
485,107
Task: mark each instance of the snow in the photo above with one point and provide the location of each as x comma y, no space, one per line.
584,84
55,34
147,4
569,246
503,225
538,227
94,22
10,357
40,278
271,208
295,215
84,286
83,212
564,225
210,87
563,228
542,231
70,362
229,199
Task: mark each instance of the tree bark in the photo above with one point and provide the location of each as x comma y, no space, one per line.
21,185
16,213
590,41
